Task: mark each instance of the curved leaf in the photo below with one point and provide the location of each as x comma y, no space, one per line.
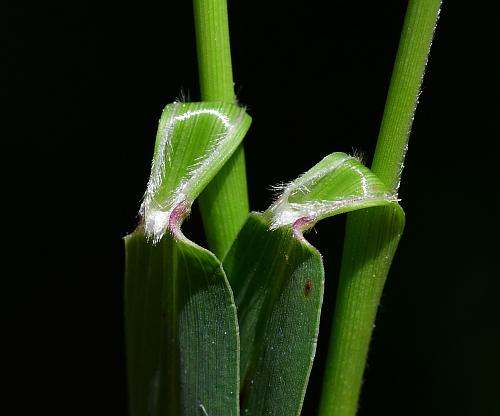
339,183
182,342
193,142
277,279
181,325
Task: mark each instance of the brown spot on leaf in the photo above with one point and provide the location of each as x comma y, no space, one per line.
307,288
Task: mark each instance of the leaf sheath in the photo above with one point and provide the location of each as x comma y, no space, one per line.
369,246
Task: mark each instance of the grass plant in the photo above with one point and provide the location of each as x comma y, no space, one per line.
233,330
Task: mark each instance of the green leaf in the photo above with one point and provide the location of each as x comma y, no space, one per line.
338,183
193,142
278,278
278,284
182,335
181,324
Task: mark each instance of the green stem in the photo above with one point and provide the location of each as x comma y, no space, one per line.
402,98
224,203
214,51
372,235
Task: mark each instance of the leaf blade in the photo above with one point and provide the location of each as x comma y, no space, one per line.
181,328
337,184
273,270
181,324
265,333
193,143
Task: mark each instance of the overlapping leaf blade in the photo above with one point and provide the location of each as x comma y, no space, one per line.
277,278
181,325
181,330
278,285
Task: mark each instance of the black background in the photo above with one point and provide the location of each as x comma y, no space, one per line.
84,87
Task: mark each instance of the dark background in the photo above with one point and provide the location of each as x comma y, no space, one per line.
84,86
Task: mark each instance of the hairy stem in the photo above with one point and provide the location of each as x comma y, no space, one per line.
402,98
372,235
224,203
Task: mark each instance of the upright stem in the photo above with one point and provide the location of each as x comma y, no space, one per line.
214,50
224,203
402,98
372,235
